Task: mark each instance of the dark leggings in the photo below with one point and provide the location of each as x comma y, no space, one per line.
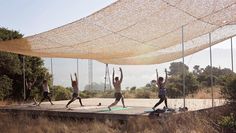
73,99
162,98
45,96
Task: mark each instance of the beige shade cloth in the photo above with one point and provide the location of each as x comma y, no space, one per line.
135,32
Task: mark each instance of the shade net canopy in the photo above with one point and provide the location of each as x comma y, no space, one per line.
135,32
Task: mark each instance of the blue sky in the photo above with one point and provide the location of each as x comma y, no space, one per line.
34,16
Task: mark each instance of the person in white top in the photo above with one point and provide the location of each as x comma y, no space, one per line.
75,91
45,92
117,85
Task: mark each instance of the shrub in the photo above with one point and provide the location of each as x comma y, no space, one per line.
229,91
228,122
5,87
107,94
132,89
142,93
61,93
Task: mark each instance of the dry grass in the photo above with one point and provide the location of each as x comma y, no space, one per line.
4,103
205,93
174,124
25,124
190,122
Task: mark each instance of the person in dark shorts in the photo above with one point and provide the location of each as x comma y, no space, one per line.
46,91
117,85
29,84
75,94
162,90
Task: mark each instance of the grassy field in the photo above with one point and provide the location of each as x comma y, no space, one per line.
203,121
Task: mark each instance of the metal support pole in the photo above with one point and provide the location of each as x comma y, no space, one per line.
52,71
24,76
105,84
107,77
77,69
232,54
183,64
90,74
212,98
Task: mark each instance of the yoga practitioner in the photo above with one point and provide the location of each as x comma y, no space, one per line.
29,84
162,90
46,91
75,91
117,85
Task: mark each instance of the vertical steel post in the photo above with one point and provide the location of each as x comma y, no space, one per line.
183,72
52,71
77,69
232,54
212,98
24,76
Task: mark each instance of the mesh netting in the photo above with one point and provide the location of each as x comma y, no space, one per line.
135,32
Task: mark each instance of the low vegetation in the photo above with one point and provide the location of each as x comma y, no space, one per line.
219,119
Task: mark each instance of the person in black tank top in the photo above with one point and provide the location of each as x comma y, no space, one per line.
162,90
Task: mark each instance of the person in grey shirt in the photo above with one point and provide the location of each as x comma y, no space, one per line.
75,94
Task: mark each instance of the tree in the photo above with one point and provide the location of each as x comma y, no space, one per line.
11,69
175,85
197,70
176,68
5,87
229,91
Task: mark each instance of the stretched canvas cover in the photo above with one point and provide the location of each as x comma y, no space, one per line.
135,32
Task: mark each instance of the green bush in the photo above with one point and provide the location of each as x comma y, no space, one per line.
132,89
61,93
88,93
229,91
228,122
5,87
142,93
107,94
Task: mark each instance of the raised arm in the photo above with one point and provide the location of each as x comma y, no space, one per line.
166,76
113,76
71,78
76,78
121,75
157,74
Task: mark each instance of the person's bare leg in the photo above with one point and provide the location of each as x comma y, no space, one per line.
80,101
113,104
122,100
